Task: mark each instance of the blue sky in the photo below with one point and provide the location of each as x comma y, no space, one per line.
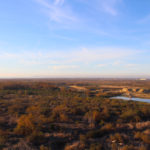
74,38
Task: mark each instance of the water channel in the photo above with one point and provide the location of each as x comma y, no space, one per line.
133,99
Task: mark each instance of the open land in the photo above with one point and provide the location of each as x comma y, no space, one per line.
74,114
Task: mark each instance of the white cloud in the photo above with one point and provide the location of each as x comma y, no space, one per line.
64,67
64,15
71,57
123,65
117,63
109,6
131,65
101,65
59,2
78,62
58,12
102,53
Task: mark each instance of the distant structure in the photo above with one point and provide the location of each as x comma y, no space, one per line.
143,79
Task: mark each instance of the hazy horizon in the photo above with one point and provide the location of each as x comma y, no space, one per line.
75,39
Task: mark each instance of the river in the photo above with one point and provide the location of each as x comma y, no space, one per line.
133,99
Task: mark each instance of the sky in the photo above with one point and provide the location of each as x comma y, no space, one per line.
74,38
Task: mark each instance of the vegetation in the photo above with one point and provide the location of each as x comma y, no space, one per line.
57,115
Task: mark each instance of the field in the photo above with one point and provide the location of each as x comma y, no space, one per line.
73,114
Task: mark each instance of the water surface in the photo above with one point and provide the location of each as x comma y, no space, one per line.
133,99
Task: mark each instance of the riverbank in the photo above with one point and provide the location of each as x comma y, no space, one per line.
142,95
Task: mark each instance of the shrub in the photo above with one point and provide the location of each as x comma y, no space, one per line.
25,125
83,138
2,140
143,147
108,127
96,147
16,109
93,118
58,144
96,116
117,137
145,138
114,146
3,137
36,138
94,134
130,116
137,135
42,147
63,117
128,147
